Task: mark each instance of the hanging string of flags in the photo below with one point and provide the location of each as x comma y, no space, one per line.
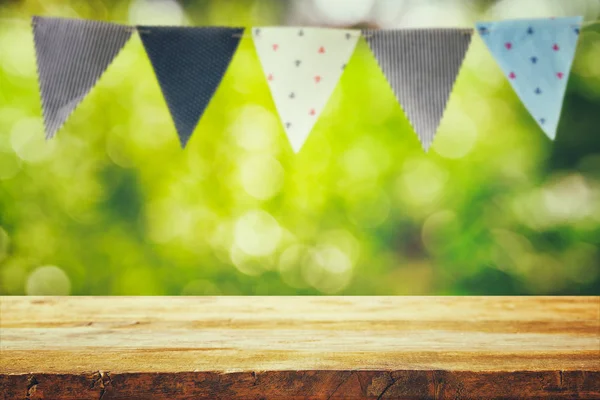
302,66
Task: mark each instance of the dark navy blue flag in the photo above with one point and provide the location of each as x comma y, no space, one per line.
189,64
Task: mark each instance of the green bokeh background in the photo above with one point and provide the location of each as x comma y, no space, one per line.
112,205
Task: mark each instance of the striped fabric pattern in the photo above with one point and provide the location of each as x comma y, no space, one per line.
421,66
71,56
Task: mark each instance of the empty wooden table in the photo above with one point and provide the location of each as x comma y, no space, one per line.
299,347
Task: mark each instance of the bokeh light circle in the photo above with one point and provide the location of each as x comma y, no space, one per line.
48,280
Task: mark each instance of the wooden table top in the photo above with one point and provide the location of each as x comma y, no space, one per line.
299,347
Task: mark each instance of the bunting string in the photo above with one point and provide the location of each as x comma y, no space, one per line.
584,24
303,65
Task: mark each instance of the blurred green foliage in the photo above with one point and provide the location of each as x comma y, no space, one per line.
112,205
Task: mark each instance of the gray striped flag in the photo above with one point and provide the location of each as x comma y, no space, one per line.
71,57
421,66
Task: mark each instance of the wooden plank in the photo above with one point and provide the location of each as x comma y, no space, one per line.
299,347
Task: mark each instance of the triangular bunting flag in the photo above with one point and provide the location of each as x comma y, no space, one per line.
536,56
71,57
421,66
189,64
303,67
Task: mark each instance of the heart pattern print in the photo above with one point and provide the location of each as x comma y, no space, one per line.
536,56
302,67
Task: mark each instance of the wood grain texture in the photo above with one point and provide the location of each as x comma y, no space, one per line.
299,347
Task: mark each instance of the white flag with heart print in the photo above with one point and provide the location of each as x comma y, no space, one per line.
302,67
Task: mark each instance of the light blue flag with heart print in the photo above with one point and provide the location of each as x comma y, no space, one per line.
536,56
